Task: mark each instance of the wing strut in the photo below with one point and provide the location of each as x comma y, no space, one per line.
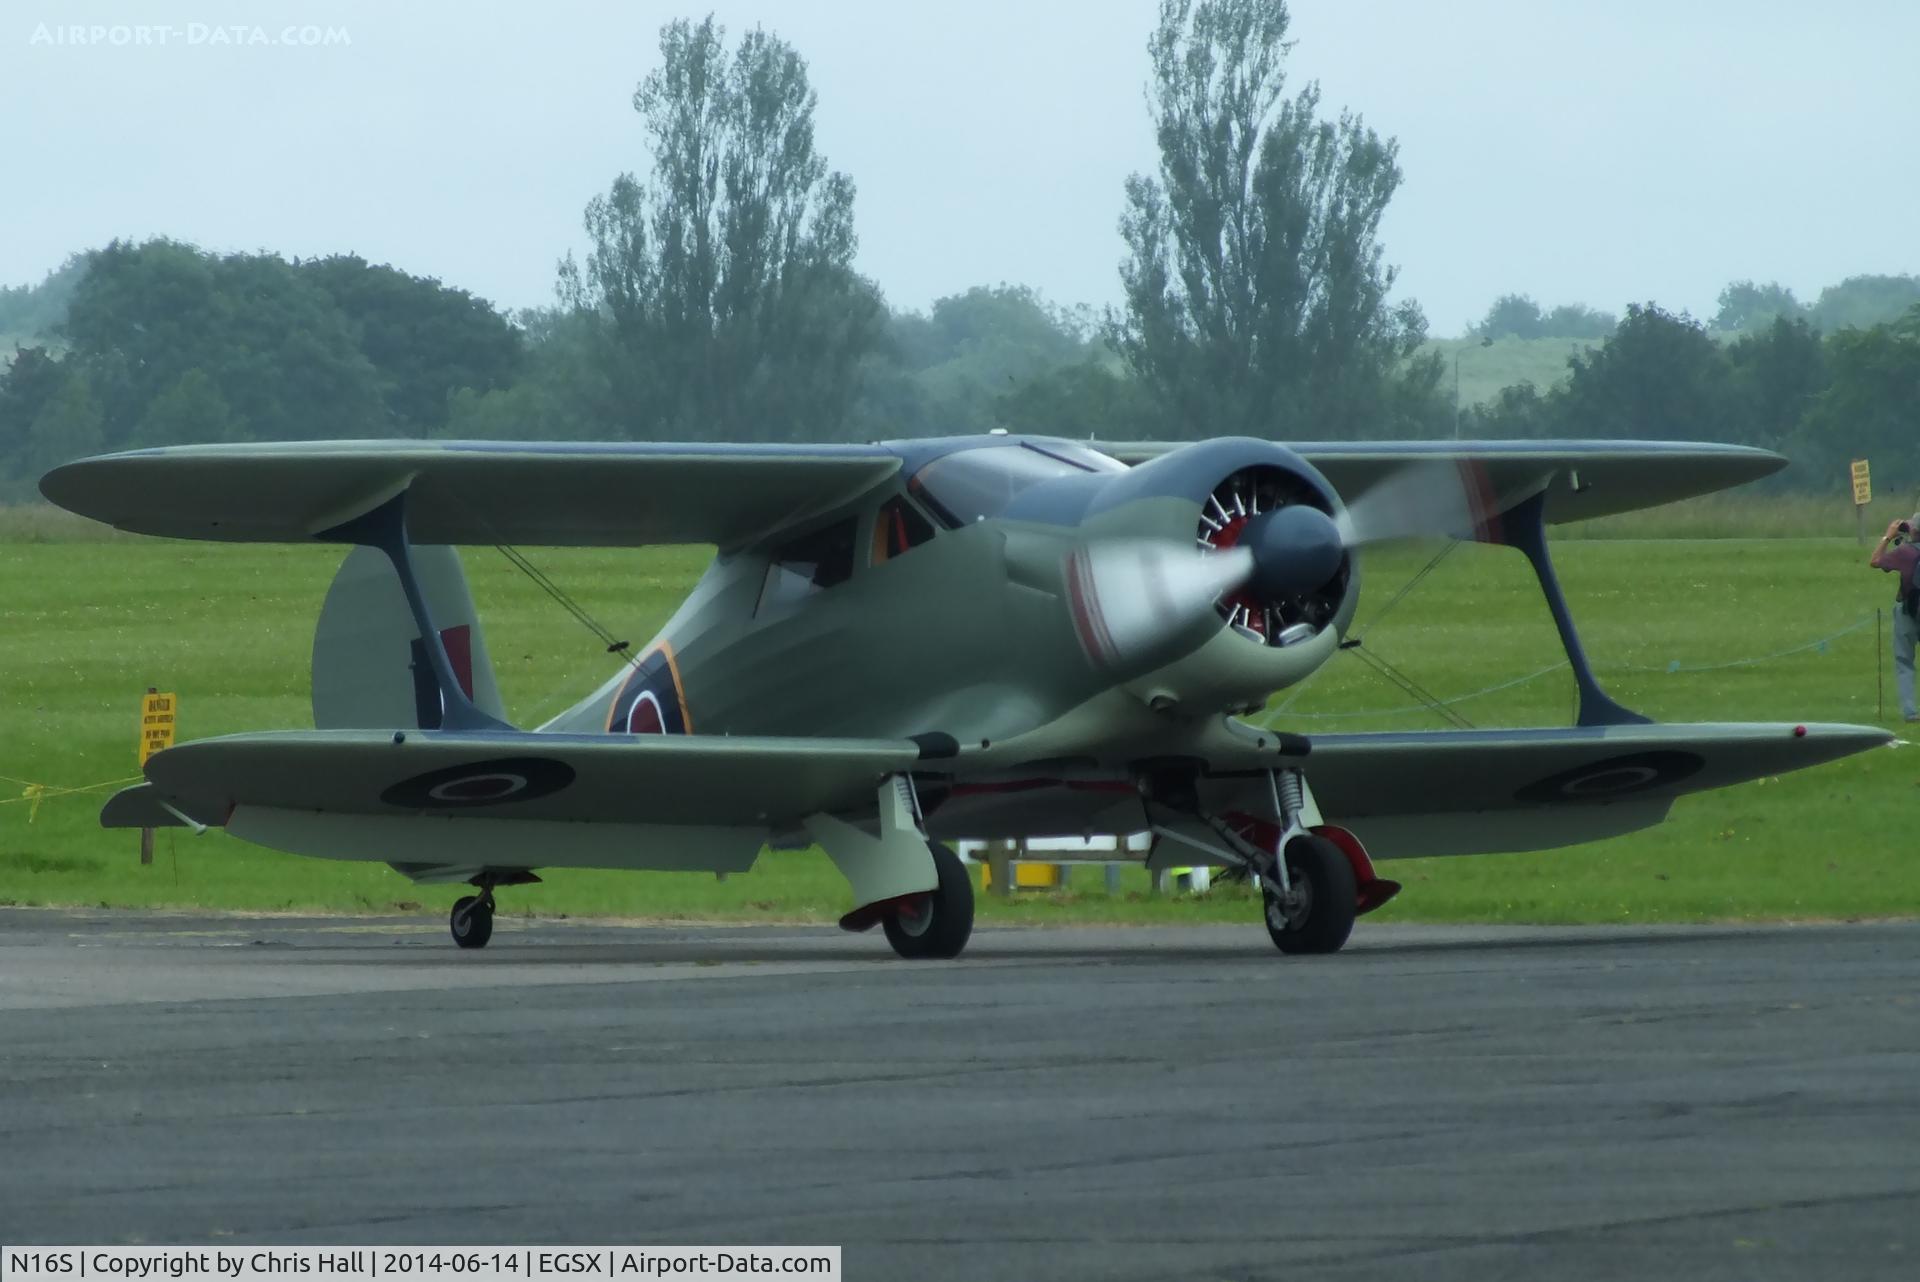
384,529
1523,526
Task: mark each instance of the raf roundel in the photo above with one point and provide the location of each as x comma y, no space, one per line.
481,783
1614,777
651,701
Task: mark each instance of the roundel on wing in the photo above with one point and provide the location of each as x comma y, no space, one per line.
650,701
481,783
1613,777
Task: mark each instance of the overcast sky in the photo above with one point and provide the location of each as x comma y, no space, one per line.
1573,150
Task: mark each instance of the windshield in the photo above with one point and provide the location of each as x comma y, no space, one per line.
972,485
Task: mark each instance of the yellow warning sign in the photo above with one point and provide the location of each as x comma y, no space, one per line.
1862,484
156,724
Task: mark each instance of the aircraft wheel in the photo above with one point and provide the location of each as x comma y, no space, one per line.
1317,915
472,921
940,924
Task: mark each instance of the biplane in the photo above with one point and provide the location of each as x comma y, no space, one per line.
901,644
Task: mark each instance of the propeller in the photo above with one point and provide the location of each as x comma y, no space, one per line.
1131,595
1444,498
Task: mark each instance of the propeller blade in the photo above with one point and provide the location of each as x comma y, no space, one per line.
1445,498
1129,597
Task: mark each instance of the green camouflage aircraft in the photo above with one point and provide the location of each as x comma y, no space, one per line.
906,643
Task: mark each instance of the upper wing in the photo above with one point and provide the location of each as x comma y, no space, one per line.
614,493
1583,479
1478,791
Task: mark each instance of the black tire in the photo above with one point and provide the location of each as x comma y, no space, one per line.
1319,917
471,922
942,929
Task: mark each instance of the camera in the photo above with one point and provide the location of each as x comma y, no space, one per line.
1904,527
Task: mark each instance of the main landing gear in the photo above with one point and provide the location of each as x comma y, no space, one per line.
935,924
1315,913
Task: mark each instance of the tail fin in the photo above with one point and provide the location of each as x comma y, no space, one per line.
370,669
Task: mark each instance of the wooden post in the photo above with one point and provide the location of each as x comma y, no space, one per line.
1000,867
1879,669
146,834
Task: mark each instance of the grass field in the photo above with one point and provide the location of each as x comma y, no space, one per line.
88,623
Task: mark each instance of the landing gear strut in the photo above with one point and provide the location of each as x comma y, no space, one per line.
1314,913
472,918
938,923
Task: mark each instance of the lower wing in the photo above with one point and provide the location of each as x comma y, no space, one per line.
512,800
1452,792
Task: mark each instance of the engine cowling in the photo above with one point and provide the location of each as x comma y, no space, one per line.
1259,526
1275,610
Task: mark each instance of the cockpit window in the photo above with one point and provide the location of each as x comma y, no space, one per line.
898,527
809,564
971,485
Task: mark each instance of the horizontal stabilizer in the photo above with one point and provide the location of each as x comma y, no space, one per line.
145,806
583,494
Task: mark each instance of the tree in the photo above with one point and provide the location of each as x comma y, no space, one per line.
67,427
1868,407
1517,411
1577,320
35,311
1255,289
1861,302
1088,400
424,339
1512,316
191,411
281,354
1518,316
562,392
725,285
1659,376
33,380
1774,375
966,355
1747,306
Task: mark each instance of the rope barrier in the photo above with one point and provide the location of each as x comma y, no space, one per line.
32,793
1677,666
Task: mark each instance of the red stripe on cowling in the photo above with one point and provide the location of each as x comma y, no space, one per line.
1094,637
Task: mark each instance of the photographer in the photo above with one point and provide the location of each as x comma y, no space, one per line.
1899,554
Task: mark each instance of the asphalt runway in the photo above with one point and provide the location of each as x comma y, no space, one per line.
1103,1103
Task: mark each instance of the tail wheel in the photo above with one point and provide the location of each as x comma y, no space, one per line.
472,921
1315,914
937,924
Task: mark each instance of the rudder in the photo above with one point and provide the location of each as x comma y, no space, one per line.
370,668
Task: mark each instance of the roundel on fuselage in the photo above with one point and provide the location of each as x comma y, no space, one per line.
650,700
